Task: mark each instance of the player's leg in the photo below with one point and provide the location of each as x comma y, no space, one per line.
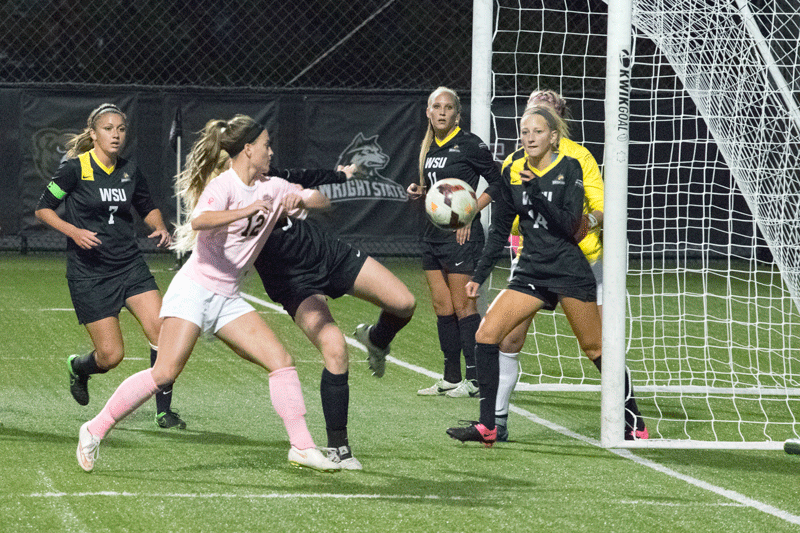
466,310
177,339
146,306
376,284
97,305
449,335
108,351
508,360
584,318
314,318
251,339
508,310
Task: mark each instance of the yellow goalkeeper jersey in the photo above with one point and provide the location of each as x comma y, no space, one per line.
592,244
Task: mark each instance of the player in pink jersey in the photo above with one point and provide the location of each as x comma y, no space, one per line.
232,214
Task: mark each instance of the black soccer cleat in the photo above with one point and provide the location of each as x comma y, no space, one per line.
78,385
475,431
170,419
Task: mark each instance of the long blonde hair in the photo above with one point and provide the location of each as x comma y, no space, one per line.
83,142
209,157
428,140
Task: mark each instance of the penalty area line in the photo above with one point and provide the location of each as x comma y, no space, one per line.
252,496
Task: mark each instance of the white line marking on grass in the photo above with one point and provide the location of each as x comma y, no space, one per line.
64,512
679,504
268,496
626,454
265,303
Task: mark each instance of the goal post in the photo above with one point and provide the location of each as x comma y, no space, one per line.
615,219
702,268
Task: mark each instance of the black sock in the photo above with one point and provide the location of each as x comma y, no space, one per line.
335,394
487,361
86,365
387,327
467,327
450,343
633,418
164,396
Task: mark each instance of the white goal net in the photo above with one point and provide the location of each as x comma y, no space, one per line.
713,205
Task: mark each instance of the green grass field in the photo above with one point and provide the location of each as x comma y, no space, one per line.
228,471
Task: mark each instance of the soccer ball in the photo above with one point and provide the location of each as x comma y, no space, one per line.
451,204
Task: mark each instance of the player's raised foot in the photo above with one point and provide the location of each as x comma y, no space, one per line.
88,448
438,389
343,455
465,389
78,385
312,458
376,356
475,431
170,419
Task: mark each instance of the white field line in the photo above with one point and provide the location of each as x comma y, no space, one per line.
267,496
69,519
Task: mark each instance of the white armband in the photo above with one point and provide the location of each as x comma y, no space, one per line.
592,221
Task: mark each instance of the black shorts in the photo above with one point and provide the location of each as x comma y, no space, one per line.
451,257
550,295
334,275
98,298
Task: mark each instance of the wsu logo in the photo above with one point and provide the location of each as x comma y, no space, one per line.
49,148
367,183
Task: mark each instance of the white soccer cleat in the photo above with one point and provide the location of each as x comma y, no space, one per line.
465,389
343,456
88,448
439,388
312,458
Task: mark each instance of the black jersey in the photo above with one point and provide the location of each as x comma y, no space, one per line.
101,200
298,253
294,249
549,208
464,156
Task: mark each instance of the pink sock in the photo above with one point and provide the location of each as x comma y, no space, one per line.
287,399
131,393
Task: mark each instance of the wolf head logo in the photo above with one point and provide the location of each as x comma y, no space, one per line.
366,154
49,148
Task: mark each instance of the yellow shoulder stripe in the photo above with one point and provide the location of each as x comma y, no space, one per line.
87,173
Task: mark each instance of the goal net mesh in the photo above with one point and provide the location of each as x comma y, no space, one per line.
713,203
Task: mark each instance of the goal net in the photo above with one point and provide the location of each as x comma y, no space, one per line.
713,284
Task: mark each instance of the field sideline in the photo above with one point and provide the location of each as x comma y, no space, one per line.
228,470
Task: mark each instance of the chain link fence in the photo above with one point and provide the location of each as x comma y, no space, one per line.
371,44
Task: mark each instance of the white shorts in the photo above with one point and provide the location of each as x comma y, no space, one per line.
187,299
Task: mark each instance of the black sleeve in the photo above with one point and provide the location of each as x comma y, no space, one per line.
565,217
486,166
503,213
63,183
309,178
142,201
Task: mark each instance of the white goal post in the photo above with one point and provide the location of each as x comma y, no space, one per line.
701,231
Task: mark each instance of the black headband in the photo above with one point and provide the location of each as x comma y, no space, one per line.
250,135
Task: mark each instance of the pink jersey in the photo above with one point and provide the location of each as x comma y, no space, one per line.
222,256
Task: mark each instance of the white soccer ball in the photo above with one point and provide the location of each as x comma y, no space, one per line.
451,204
